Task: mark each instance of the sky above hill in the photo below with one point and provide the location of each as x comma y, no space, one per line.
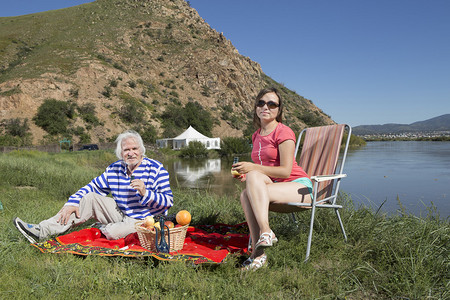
363,62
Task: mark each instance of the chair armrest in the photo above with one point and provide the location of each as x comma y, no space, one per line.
320,178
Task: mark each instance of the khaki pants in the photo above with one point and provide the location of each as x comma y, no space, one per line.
116,224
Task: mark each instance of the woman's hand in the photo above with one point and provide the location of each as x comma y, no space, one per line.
243,167
237,175
242,178
138,185
65,212
286,150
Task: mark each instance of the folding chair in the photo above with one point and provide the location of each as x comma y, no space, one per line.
319,159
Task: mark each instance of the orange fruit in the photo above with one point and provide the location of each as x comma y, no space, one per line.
183,217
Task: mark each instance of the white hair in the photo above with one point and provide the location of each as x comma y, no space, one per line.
126,135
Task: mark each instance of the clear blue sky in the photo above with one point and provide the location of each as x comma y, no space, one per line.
363,62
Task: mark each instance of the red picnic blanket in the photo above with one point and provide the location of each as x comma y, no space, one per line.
203,244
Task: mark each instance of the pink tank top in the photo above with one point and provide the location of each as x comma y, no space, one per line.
265,150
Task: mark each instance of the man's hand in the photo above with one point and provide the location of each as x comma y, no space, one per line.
65,212
138,185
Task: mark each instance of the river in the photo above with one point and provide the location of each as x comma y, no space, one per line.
415,173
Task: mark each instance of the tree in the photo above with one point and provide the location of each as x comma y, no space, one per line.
234,145
177,119
148,133
53,116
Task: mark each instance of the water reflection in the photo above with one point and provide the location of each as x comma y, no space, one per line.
210,174
194,172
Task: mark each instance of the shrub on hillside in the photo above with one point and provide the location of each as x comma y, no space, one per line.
81,133
107,92
87,113
310,118
15,132
53,116
132,112
132,84
16,127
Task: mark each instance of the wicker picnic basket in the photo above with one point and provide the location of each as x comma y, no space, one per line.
147,237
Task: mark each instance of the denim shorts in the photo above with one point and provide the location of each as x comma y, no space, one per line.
306,182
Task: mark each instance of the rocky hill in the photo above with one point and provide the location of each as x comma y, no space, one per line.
111,56
437,124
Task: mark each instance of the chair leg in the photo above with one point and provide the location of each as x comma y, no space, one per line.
293,218
311,224
340,223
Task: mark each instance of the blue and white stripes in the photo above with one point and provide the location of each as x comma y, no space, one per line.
115,181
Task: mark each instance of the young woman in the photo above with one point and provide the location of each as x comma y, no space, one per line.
274,178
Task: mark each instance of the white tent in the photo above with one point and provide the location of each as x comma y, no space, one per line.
188,136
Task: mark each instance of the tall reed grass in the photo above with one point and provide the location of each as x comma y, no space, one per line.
386,257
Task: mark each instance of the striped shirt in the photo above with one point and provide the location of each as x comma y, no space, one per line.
115,181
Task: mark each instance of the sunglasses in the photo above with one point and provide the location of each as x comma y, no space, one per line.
270,104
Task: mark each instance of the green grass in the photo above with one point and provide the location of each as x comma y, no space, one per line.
386,257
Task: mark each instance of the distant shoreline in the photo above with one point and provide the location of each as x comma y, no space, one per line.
401,139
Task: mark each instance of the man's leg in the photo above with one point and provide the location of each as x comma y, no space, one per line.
92,205
118,230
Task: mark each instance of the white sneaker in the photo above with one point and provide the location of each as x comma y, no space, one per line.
30,231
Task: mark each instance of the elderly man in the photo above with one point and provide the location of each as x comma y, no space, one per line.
139,187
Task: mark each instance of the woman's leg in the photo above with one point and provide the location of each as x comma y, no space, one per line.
281,193
252,224
261,194
250,217
255,203
258,199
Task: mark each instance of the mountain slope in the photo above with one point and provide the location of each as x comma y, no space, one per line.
440,123
110,53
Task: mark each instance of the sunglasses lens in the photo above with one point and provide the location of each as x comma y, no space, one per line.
261,103
270,104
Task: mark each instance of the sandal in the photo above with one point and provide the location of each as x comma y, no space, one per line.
256,263
247,262
267,239
249,247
